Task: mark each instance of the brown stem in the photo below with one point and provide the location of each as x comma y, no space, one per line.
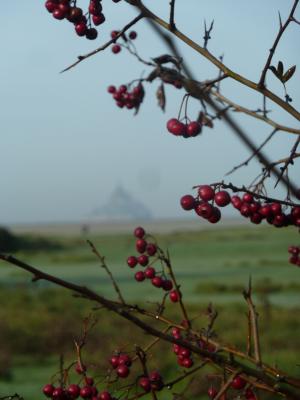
104,266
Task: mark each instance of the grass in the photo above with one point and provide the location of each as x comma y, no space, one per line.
38,322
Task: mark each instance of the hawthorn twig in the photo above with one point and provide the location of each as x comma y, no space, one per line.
289,159
246,162
172,15
226,385
254,322
104,266
104,46
207,33
261,83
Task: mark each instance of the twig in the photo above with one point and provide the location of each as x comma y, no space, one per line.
282,28
226,385
103,47
254,322
172,15
258,196
289,160
170,384
245,163
103,265
207,33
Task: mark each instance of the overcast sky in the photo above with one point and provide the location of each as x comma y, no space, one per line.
65,145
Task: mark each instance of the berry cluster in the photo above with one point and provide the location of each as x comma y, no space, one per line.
116,48
67,9
127,98
153,381
73,391
238,383
295,255
121,362
147,250
246,205
186,130
184,356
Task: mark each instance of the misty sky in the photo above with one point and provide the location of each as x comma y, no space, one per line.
65,145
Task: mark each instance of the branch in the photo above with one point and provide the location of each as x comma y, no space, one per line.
172,15
256,375
282,28
289,160
103,47
104,266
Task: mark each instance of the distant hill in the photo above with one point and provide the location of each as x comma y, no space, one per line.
122,206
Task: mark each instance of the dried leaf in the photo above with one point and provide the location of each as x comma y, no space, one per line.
280,68
205,120
161,97
289,73
274,70
166,58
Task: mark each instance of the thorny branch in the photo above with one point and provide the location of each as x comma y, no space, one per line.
264,376
282,28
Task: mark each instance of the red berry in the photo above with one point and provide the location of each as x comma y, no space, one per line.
48,390
176,333
74,14
125,359
139,276
185,353
155,376
81,28
204,210
73,391
265,210
174,296
157,281
116,48
114,360
206,192
187,362
114,34
105,395
193,128
132,261
80,369
167,285
91,34
212,392
50,5
139,232
58,14
111,89
248,198
123,371
256,218
279,220
176,127
145,384
143,260
132,35
58,394
222,198
249,394
176,348
98,19
245,210
238,383
187,202
149,272
89,381
276,208
236,202
151,249
86,392
216,216
141,245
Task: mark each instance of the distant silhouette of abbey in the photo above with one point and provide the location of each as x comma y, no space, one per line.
122,206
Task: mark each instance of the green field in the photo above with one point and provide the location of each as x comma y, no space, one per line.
38,321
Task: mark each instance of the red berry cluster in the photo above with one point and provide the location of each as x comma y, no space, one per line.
186,130
73,391
184,356
295,255
127,98
121,362
246,205
148,250
67,9
238,383
153,381
116,48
